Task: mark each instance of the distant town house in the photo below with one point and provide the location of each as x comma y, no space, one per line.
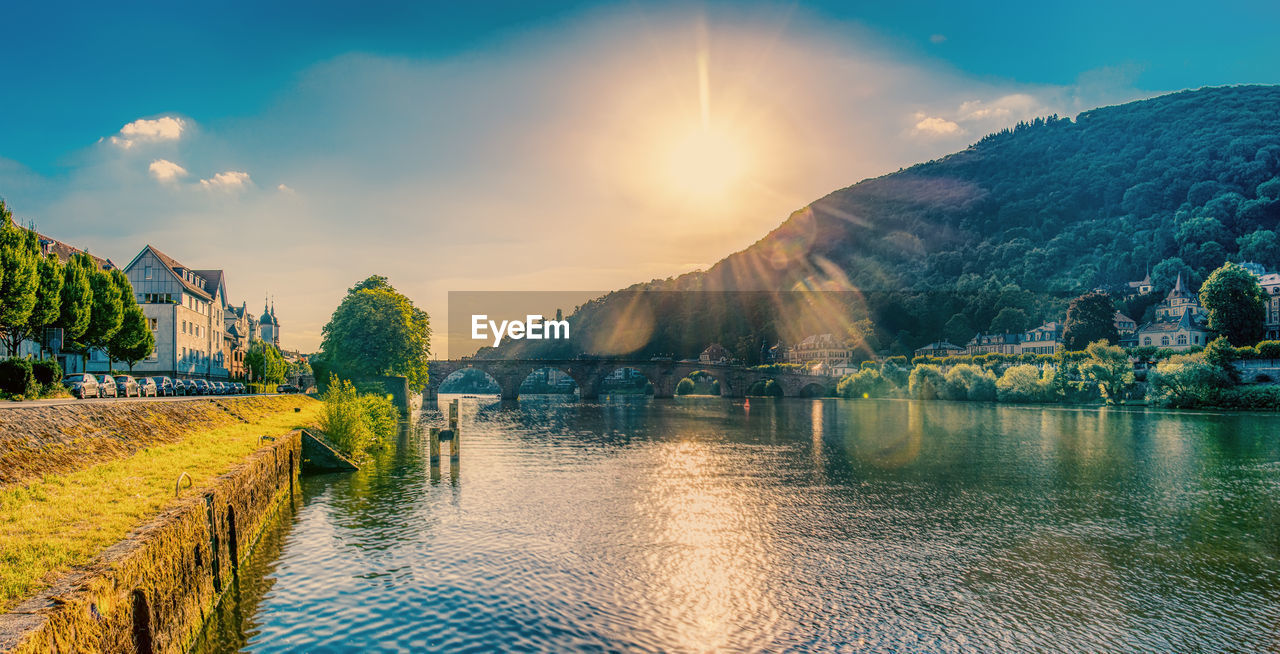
939,349
186,310
1179,322
1045,339
823,353
715,353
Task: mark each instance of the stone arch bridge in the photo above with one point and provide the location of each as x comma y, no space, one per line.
589,374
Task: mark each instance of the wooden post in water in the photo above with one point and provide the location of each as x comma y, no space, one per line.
453,426
434,439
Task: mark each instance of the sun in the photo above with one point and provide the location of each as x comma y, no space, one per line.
706,164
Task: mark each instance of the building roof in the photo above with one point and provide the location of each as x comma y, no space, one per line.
1188,321
995,339
715,351
176,269
214,279
939,345
1179,290
268,317
50,245
1120,317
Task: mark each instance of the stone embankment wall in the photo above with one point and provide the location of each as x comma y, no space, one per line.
37,440
152,591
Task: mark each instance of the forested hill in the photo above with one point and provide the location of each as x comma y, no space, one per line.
1180,182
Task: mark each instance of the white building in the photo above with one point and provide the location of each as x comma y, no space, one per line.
185,309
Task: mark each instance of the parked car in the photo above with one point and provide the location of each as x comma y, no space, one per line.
127,386
241,389
221,388
164,386
201,386
180,387
286,388
147,387
106,387
81,385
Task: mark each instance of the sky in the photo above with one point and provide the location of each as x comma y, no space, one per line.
511,146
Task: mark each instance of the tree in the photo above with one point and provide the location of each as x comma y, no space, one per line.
1090,317
1010,320
1237,305
19,277
1165,274
376,331
264,363
48,302
958,329
106,312
1108,366
685,387
134,341
76,297
1185,380
1261,245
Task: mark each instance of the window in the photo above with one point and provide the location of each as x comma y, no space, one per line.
1164,340
1182,339
154,324
146,271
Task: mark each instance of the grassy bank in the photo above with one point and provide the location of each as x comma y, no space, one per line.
64,520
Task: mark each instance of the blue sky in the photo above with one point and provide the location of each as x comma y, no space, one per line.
315,143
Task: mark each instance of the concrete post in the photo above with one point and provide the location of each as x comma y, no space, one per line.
434,438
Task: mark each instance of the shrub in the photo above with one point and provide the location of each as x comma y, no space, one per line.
864,383
1024,383
18,378
355,422
969,382
47,372
1186,380
925,382
897,360
685,387
1108,367
869,365
1269,349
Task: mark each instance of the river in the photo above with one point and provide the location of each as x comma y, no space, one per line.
698,524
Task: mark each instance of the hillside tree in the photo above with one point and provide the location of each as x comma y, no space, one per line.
1090,317
1237,305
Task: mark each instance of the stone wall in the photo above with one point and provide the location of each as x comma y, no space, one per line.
152,591
36,440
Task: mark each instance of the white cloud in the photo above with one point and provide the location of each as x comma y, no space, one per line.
143,130
230,180
285,188
937,38
935,126
165,170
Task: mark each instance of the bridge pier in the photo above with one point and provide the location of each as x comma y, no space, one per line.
510,386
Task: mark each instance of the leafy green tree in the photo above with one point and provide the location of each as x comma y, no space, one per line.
1010,320
76,297
1024,383
958,330
106,312
1185,380
1262,245
48,302
264,363
685,387
1237,305
19,277
134,341
926,382
1090,317
1165,274
377,331
1109,367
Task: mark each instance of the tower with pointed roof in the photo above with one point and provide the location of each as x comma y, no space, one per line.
268,328
1179,322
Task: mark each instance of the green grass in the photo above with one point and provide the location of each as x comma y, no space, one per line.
61,521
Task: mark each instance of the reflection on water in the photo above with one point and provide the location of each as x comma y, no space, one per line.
701,524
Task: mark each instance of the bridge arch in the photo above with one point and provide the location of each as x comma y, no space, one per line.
550,380
468,380
626,380
765,387
812,389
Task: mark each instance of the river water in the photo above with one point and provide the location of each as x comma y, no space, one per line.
699,524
